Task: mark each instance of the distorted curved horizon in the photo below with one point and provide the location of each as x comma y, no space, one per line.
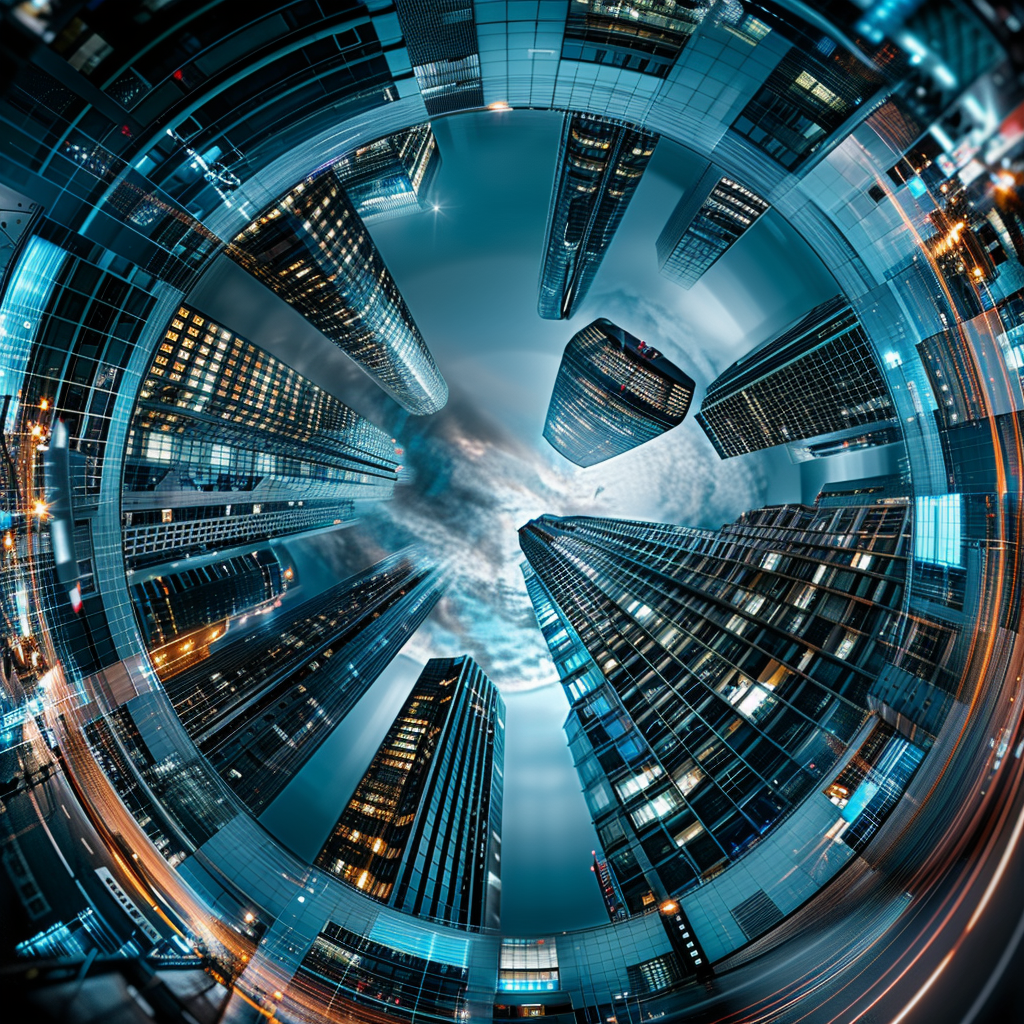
511,509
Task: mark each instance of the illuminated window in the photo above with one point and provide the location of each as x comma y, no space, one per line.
937,529
159,447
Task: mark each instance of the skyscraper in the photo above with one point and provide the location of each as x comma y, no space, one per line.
709,218
816,86
600,163
714,677
648,36
259,706
391,176
313,249
182,612
816,377
228,446
423,830
444,53
612,393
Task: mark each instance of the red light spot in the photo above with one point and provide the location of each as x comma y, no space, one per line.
177,76
126,131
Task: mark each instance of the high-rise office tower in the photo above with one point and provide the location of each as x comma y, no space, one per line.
714,677
182,612
713,215
229,447
313,250
816,377
600,163
259,707
647,36
816,86
391,176
444,52
423,830
612,393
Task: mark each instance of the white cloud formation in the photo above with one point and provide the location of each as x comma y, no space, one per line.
471,484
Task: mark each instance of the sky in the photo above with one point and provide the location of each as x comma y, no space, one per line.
479,469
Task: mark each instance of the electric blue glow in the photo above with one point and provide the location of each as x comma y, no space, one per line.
937,529
917,187
427,945
23,305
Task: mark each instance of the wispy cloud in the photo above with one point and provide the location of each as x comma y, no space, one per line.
471,483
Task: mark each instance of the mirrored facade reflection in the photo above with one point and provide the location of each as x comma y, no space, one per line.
817,377
313,250
393,176
613,392
599,166
422,831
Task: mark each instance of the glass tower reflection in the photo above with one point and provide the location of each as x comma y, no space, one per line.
313,249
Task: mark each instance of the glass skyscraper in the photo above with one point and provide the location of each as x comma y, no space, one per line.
444,53
612,393
814,88
229,446
647,36
816,377
181,612
259,706
714,677
392,176
423,830
713,215
600,163
313,250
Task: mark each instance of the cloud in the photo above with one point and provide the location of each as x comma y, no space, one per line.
471,483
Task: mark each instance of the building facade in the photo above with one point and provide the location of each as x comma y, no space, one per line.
600,163
648,37
259,706
313,249
422,831
613,392
714,677
708,220
817,377
182,611
229,446
392,176
444,53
